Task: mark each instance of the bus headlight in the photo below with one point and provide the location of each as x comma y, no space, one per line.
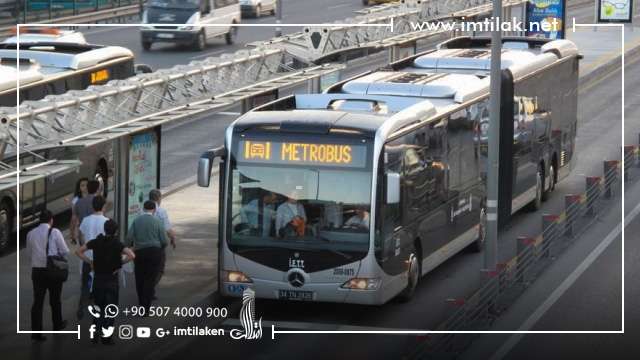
236,276
362,284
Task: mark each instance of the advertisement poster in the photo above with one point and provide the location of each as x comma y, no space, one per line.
545,18
615,11
143,171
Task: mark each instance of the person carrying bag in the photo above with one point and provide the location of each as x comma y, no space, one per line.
57,265
49,270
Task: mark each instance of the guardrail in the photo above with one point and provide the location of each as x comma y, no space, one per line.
66,11
504,285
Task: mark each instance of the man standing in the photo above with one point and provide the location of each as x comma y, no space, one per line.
37,240
90,227
156,196
147,237
107,261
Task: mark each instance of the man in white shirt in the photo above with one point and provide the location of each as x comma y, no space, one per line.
156,196
90,227
37,240
289,211
360,220
253,211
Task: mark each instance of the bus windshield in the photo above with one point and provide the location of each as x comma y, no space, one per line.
300,208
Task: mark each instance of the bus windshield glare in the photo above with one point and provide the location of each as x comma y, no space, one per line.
297,195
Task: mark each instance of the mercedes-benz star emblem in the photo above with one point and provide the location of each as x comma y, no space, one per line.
296,279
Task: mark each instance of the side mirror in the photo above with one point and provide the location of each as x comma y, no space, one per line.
393,188
205,165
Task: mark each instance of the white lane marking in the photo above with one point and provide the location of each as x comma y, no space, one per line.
566,284
313,326
338,6
209,54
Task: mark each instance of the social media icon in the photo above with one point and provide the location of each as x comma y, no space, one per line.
125,332
143,332
92,331
111,311
107,332
94,310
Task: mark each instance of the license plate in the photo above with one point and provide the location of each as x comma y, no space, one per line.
295,295
165,36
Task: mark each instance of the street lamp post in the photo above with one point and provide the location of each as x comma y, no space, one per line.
491,250
278,17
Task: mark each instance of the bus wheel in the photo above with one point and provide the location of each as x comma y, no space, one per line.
478,245
536,203
552,183
5,225
201,42
413,277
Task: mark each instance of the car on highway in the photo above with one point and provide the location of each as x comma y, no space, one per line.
256,8
189,22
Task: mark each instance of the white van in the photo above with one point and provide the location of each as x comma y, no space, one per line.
196,14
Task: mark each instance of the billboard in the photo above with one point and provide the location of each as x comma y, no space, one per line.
546,18
620,11
143,171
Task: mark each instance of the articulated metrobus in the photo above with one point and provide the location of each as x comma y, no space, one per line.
47,68
353,194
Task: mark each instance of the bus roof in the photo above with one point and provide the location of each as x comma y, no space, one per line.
44,59
424,85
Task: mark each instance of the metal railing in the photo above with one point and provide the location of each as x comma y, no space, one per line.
504,285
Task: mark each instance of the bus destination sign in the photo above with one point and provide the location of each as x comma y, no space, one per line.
300,153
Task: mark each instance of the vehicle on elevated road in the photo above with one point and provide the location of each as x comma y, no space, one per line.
352,195
189,22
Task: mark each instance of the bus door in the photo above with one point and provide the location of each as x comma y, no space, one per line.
392,236
524,163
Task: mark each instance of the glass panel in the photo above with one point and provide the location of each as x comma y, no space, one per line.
300,207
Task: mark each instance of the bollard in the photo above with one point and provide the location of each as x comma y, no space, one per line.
592,191
571,209
522,244
629,151
549,230
609,177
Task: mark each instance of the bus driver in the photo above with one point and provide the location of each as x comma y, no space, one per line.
290,217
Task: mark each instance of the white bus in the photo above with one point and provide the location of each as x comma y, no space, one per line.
47,68
353,194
